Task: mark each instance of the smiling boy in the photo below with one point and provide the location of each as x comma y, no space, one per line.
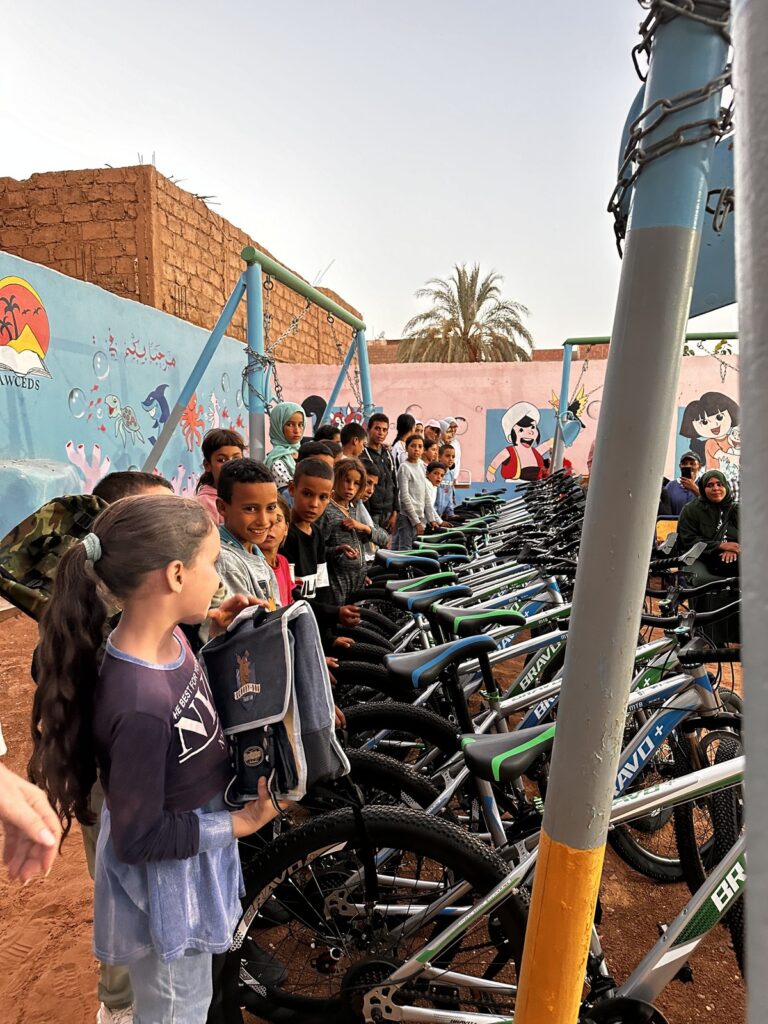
247,501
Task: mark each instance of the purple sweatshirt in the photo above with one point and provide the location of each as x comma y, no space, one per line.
161,755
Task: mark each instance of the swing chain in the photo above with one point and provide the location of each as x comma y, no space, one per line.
292,327
354,385
268,286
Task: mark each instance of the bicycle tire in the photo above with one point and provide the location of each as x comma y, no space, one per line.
387,782
694,827
326,960
416,725
371,678
368,653
728,821
364,635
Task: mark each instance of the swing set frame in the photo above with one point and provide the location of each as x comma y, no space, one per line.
570,346
260,366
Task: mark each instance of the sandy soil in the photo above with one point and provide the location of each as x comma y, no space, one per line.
48,974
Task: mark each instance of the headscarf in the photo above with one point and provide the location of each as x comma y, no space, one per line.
702,483
282,451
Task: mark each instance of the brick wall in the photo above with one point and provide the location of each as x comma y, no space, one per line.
136,234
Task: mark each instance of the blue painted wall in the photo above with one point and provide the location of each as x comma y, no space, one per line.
93,399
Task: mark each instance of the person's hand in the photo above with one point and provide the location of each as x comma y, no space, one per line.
391,522
729,551
419,529
228,610
354,524
343,641
348,552
689,485
256,814
341,722
367,582
332,662
30,825
349,615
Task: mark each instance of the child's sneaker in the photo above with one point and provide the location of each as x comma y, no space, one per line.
122,1016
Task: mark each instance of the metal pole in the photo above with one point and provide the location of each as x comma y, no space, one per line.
333,398
638,405
195,376
297,284
750,26
558,449
258,375
365,373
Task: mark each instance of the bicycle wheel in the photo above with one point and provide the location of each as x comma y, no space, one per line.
648,844
415,736
728,821
319,931
694,828
383,780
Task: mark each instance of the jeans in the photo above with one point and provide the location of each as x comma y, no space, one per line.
175,993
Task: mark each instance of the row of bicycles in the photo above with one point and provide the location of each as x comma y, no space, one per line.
401,892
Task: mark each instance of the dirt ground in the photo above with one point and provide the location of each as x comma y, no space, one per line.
48,974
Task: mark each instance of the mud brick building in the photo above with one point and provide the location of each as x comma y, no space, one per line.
135,233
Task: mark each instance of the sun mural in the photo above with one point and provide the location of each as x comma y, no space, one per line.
24,330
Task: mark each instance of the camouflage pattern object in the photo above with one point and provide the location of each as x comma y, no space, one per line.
30,553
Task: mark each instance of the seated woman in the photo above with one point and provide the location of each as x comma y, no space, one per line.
713,517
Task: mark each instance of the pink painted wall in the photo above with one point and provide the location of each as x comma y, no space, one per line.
471,390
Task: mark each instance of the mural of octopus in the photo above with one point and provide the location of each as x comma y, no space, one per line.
126,422
192,424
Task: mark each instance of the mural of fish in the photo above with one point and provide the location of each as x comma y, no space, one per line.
156,404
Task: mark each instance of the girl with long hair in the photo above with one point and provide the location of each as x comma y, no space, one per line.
138,710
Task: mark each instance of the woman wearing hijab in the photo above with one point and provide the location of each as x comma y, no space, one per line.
286,429
713,517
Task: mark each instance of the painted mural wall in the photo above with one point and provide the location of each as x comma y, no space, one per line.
87,380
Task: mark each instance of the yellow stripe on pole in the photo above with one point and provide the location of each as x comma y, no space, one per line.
558,934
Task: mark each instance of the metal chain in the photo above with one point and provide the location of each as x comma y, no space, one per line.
724,366
267,367
723,208
660,11
637,155
353,384
291,329
268,286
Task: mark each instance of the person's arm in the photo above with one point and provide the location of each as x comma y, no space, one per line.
429,509
379,537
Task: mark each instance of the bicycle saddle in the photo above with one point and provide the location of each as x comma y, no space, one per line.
435,579
471,621
440,547
404,561
421,668
506,756
421,601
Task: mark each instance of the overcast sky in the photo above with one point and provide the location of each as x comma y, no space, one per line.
389,140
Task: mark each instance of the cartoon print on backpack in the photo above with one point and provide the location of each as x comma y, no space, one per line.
523,456
711,426
246,678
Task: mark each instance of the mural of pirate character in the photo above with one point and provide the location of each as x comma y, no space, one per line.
522,459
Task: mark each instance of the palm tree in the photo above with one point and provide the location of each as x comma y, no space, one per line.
468,322
11,305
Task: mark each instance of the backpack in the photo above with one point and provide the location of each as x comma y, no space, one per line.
273,694
30,553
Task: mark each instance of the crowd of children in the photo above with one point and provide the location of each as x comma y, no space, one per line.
126,735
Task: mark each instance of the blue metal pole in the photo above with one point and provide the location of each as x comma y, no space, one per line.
258,377
334,395
638,405
558,449
195,376
365,373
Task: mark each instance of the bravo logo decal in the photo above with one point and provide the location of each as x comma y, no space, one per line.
538,663
633,764
730,887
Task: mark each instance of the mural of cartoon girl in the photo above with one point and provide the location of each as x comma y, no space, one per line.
521,459
707,422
